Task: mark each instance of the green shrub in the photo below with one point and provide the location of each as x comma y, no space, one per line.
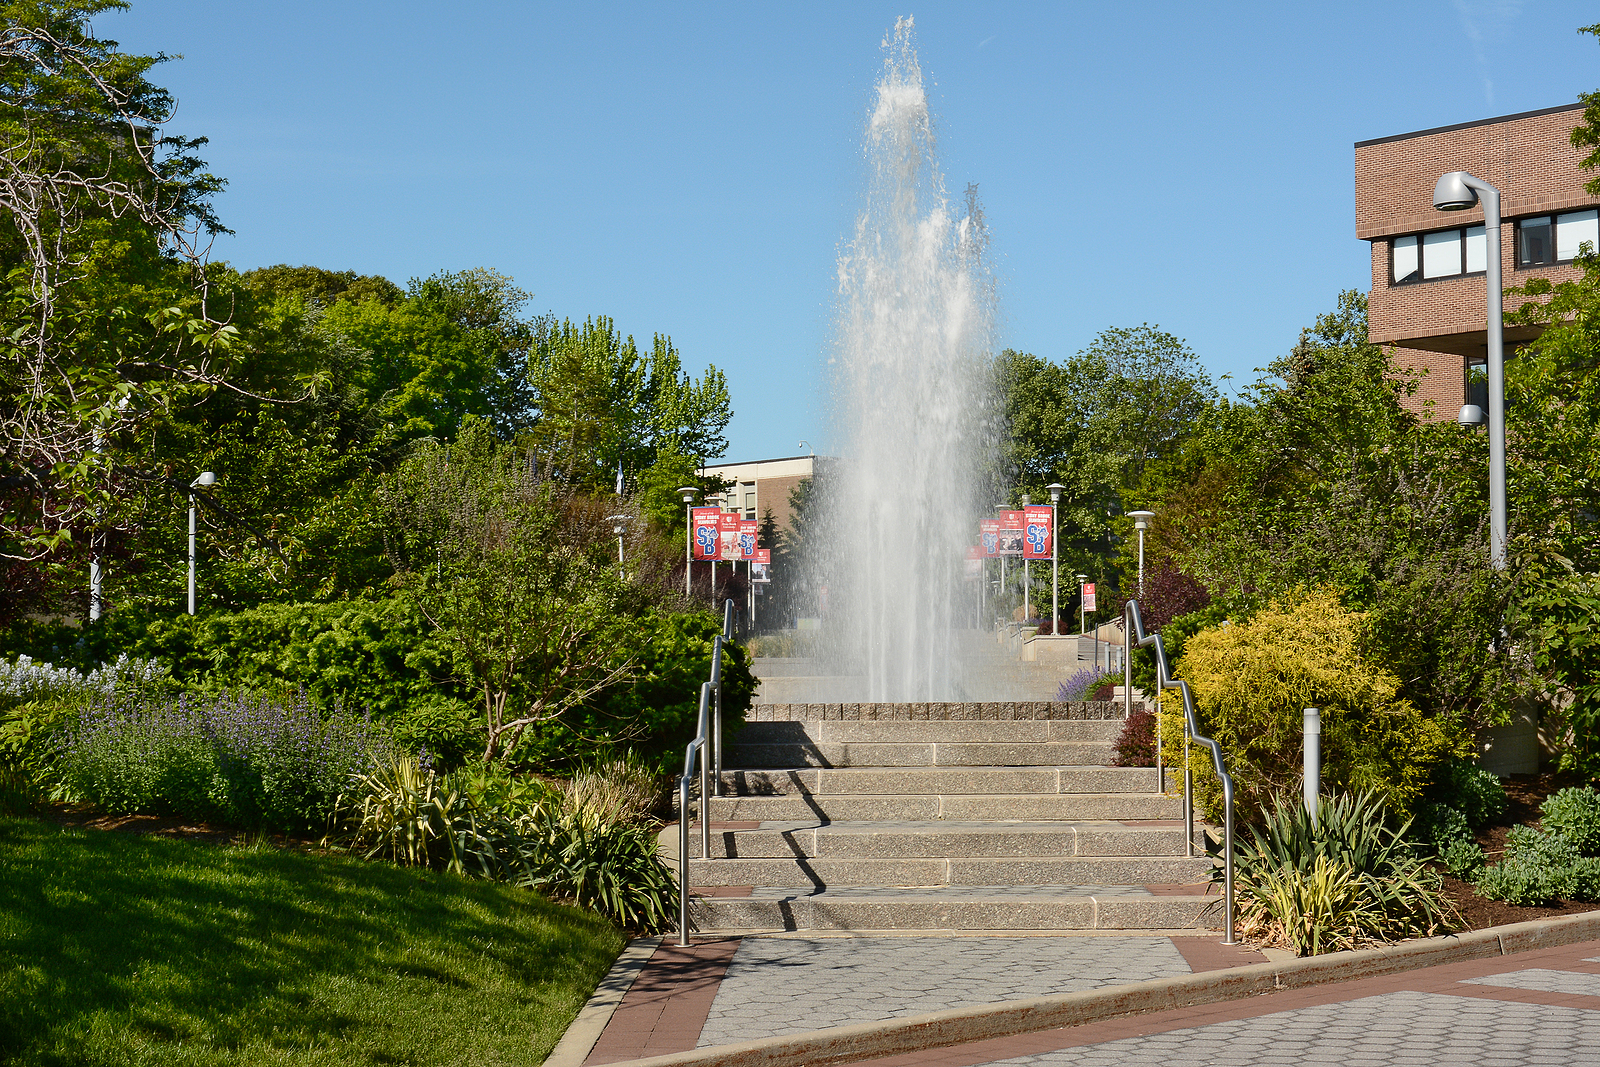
1252,681
447,728
656,715
1539,867
1174,637
1476,793
1336,881
1439,826
1573,814
1463,858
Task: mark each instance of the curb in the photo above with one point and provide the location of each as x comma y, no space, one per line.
579,1040
956,1026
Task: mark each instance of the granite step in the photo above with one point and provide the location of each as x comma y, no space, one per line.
845,807
948,731
959,908
920,754
938,838
955,870
975,780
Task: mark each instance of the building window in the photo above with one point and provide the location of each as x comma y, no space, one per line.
1540,241
1477,383
1550,239
749,500
1444,254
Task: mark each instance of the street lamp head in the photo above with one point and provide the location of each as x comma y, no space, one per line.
1141,519
1471,415
1453,193
688,492
1082,577
206,478
1055,489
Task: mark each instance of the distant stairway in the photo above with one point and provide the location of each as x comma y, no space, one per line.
943,817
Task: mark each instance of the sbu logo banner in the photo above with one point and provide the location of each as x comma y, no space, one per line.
705,528
1040,521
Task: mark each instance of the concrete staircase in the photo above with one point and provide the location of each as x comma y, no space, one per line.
942,817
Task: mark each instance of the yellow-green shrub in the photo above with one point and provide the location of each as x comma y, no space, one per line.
1252,681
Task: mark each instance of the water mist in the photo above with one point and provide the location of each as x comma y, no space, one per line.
912,398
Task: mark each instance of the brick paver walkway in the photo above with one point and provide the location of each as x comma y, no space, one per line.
718,992
1537,1009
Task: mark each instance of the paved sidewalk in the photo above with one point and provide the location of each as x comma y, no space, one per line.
1536,1009
724,991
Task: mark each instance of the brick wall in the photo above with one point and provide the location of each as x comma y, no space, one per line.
1436,324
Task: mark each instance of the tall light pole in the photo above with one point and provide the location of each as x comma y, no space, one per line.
1027,578
1083,619
1141,522
1055,489
1458,191
206,478
688,492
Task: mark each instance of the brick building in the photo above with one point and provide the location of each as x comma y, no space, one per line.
1428,293
764,484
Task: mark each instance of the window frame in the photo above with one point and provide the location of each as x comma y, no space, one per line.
1550,217
1461,245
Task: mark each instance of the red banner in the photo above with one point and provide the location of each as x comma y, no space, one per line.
1039,522
748,530
1088,597
1012,526
974,561
703,531
729,532
764,556
989,536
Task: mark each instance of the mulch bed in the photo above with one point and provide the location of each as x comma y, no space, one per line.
1524,794
84,817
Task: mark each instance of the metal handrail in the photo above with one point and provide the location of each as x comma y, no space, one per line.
1134,624
707,735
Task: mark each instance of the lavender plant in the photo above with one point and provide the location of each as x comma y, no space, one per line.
247,759
1080,683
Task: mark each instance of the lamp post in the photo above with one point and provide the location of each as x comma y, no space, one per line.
1027,577
1083,624
206,478
1458,191
1055,489
688,492
1141,522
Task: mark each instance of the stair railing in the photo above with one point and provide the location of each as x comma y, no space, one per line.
708,735
1133,625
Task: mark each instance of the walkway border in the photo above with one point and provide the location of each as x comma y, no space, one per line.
958,1026
579,1040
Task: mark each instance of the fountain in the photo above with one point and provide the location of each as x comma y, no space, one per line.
912,404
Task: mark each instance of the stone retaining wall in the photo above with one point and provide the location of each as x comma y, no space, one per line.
1041,709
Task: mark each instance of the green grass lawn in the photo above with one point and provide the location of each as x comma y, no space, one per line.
123,949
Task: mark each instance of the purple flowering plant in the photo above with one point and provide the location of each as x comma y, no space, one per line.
249,759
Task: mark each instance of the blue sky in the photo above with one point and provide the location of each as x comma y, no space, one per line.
692,169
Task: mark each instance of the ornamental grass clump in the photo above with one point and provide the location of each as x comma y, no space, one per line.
245,759
591,841
1339,881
